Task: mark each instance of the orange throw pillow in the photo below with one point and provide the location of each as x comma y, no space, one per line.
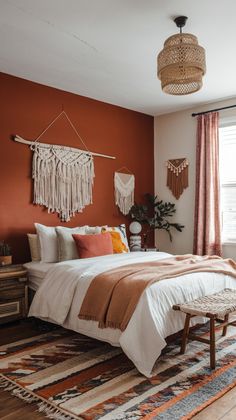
118,246
89,246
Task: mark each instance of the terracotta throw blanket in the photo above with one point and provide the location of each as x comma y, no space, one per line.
113,296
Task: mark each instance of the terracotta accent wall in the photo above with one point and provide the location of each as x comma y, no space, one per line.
26,108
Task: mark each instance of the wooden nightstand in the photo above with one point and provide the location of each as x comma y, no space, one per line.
13,293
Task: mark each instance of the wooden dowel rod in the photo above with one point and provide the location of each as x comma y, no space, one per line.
222,324
198,338
47,146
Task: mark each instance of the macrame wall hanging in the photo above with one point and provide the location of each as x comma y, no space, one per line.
124,190
63,176
177,176
63,180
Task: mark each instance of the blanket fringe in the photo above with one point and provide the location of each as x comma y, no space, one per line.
87,317
101,324
44,407
111,324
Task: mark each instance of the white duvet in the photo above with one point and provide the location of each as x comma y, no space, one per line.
61,294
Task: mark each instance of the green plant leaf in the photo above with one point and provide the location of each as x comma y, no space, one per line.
155,213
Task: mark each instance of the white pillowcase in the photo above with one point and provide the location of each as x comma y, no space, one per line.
48,242
54,250
66,245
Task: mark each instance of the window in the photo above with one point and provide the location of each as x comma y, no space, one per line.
227,136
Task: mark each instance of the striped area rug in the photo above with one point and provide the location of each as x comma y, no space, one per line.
71,376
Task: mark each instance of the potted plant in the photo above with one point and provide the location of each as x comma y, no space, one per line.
5,254
155,213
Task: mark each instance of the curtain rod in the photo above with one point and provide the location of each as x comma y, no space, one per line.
213,110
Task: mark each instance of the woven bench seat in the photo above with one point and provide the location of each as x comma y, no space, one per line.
216,307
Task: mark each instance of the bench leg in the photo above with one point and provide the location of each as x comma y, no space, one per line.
212,344
185,334
226,318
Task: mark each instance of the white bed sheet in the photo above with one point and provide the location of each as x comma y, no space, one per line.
37,272
60,296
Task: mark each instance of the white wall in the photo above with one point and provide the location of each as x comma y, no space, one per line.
175,137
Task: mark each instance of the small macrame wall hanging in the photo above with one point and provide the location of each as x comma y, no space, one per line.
63,176
124,190
177,176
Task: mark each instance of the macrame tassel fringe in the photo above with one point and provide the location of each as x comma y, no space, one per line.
63,180
177,176
124,191
124,203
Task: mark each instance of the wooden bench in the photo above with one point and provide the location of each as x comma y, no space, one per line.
217,308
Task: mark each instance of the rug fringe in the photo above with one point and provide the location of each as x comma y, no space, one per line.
24,395
53,412
44,407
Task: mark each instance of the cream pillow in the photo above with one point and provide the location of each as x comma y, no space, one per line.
34,246
48,242
66,245
94,230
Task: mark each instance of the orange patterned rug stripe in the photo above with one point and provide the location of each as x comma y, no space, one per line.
85,376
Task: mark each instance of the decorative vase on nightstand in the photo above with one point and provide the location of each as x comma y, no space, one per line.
135,239
5,260
5,254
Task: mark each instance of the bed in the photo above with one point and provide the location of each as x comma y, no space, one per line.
37,272
64,286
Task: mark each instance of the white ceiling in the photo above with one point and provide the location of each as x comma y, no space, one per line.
106,49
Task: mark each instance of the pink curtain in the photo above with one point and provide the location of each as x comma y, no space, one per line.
207,235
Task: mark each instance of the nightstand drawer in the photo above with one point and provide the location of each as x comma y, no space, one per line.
12,310
11,294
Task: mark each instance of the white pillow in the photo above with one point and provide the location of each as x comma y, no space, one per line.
48,242
34,246
66,245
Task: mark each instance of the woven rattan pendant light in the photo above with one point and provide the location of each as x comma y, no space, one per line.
181,63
